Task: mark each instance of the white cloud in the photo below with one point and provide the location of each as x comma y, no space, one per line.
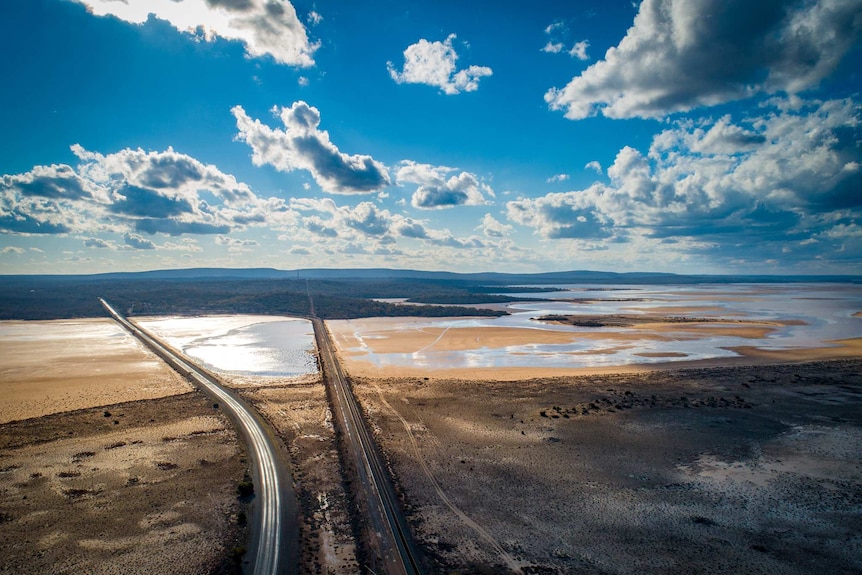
434,64
758,183
237,245
327,219
366,228
138,242
187,245
557,178
231,241
553,27
561,215
12,250
438,189
265,27
680,55
594,165
301,145
493,228
97,243
131,191
553,47
314,18
302,81
579,50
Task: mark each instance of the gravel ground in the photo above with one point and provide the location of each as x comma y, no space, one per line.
720,470
139,487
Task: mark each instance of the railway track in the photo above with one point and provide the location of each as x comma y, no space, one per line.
390,534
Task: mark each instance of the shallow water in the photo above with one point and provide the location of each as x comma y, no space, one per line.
824,310
242,345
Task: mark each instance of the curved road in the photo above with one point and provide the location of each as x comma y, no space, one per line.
276,550
390,534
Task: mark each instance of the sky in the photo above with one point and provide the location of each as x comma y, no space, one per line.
686,136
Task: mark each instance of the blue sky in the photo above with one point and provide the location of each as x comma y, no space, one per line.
709,136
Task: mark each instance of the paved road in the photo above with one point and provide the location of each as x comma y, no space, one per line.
276,530
390,535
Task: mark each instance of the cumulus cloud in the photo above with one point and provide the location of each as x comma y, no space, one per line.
679,55
444,238
438,189
786,176
130,191
12,250
314,18
561,215
557,178
579,50
236,242
493,228
302,145
96,243
138,242
553,47
365,220
265,27
434,64
594,165
236,245
368,228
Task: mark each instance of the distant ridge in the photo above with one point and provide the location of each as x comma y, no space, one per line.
562,277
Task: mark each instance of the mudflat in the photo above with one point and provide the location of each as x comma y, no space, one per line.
63,365
355,339
736,469
110,462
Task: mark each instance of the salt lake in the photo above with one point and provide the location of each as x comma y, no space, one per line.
241,344
761,316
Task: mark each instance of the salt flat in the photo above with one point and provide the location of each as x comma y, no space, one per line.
749,322
63,365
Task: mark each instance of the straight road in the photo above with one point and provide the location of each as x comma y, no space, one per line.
390,534
276,530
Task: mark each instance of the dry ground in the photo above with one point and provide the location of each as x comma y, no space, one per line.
138,487
151,487
299,412
717,470
63,365
109,461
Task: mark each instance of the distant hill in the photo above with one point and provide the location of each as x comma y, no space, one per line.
336,293
494,278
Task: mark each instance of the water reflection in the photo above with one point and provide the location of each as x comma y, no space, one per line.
818,313
242,345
